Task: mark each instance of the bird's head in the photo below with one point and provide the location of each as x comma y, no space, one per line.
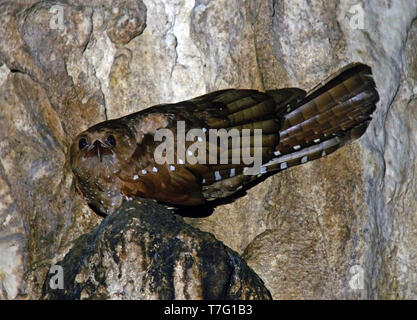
105,146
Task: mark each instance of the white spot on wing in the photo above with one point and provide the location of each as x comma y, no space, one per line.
144,171
135,177
217,175
304,159
284,165
297,147
154,169
172,168
232,172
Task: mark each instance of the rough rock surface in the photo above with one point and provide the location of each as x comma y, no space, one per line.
146,252
341,227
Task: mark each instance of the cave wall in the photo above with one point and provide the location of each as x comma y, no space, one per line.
341,227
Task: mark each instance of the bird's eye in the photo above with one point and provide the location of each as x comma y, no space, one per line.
82,143
111,140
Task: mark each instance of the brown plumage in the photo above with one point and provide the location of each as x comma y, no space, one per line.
115,159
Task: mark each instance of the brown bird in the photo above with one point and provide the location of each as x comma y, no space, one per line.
116,159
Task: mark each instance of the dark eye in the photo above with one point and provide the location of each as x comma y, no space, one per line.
82,143
111,140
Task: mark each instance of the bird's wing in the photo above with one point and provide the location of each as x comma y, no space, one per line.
183,182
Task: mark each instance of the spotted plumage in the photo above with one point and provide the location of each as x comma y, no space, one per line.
116,158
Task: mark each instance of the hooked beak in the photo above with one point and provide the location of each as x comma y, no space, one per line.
98,146
98,153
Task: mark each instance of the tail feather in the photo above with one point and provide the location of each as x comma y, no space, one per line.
296,127
304,155
325,124
332,115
